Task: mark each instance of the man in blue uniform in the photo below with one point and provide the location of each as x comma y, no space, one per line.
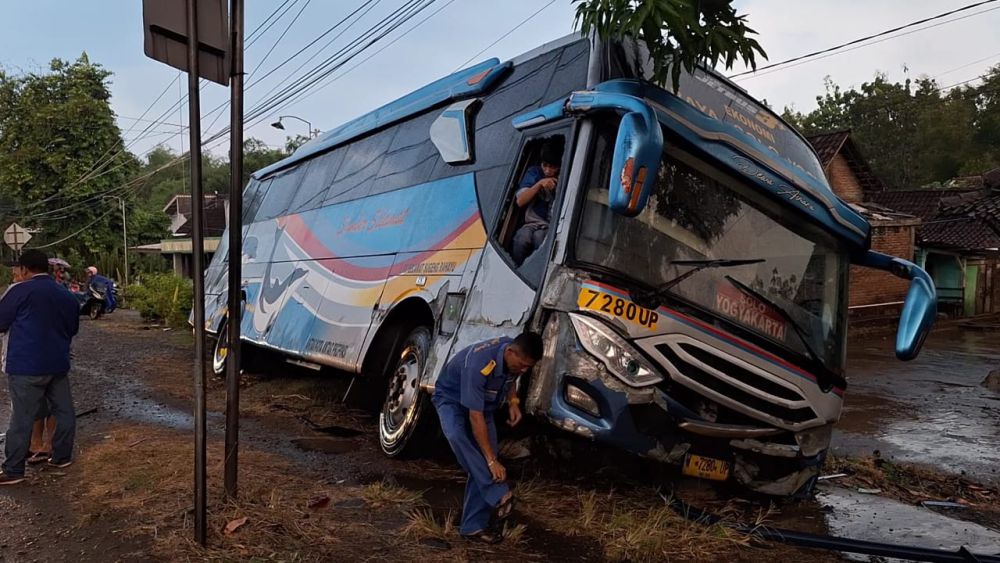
39,319
474,383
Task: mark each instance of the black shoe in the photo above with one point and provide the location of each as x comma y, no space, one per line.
6,479
60,464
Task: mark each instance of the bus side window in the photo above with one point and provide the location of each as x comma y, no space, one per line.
524,228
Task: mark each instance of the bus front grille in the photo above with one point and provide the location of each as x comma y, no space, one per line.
738,386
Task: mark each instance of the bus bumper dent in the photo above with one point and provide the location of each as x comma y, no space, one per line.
574,392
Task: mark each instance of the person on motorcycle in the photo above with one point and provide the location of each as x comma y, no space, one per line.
102,282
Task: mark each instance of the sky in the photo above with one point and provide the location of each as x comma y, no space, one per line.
455,31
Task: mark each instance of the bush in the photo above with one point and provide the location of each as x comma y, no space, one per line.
162,297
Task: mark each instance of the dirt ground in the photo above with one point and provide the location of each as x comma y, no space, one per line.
314,487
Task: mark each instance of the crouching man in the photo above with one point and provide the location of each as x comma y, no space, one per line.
476,382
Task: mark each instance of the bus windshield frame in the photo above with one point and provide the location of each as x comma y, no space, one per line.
698,212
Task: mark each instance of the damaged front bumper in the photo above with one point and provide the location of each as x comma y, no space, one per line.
576,392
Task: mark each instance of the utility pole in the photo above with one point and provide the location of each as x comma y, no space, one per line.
121,201
124,242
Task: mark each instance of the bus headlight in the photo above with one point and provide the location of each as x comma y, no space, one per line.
621,359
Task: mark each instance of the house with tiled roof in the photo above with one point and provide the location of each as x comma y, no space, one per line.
873,294
177,248
958,242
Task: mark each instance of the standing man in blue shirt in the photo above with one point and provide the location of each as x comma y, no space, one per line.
474,383
39,319
535,195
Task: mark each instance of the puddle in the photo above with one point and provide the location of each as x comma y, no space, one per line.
437,493
339,431
867,517
326,445
140,409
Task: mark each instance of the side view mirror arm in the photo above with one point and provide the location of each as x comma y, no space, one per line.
920,308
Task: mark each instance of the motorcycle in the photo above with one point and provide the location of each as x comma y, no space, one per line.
93,301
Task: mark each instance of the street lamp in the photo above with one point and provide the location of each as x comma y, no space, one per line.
278,125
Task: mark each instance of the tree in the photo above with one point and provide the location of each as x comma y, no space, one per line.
679,34
62,157
913,133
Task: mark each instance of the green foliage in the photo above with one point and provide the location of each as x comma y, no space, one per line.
60,157
162,297
680,34
911,132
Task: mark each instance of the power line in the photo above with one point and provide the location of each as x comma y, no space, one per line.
87,226
863,39
366,59
376,32
505,35
862,46
258,32
280,37
369,4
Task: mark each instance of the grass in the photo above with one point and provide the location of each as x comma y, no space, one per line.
382,493
634,525
151,483
421,523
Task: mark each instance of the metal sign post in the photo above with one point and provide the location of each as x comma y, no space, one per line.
198,259
235,306
202,34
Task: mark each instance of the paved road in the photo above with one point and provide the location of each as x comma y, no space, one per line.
931,410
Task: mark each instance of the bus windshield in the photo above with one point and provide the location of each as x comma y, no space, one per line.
698,214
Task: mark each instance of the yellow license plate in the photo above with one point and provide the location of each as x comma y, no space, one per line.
705,467
597,300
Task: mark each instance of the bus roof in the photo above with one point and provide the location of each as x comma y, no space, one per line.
472,81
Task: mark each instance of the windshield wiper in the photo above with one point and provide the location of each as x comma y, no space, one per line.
699,265
650,299
825,377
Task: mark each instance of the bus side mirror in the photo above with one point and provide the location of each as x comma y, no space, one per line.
920,307
634,165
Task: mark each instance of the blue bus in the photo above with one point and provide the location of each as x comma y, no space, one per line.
690,279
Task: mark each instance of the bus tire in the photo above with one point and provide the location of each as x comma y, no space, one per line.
406,418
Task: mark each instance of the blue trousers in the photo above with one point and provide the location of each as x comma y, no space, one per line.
526,240
27,394
482,494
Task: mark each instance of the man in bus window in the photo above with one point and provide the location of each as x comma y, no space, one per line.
474,383
535,195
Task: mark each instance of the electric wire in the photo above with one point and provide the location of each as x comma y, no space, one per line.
862,46
280,37
366,59
862,39
505,35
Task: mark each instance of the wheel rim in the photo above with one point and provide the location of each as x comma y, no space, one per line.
221,351
401,396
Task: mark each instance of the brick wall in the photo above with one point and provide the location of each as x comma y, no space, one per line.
870,286
845,184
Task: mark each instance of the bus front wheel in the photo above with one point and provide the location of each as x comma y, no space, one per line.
406,412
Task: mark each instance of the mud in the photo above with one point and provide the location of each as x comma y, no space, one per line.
931,411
